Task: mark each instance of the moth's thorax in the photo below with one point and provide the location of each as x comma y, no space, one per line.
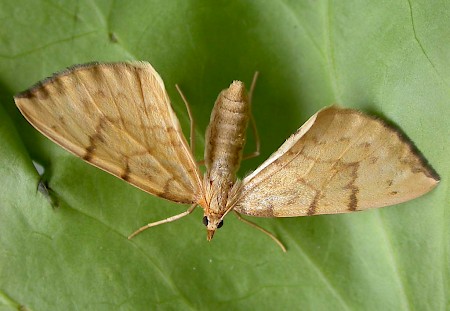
225,140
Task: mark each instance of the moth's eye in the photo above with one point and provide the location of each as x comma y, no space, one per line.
220,224
205,220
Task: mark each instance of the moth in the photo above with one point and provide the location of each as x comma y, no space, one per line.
118,117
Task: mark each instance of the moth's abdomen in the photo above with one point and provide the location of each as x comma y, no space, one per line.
225,136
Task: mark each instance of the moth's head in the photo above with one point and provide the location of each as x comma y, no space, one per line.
212,222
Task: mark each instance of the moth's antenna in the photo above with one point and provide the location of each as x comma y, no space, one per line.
191,119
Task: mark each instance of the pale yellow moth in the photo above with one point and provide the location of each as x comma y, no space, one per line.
118,117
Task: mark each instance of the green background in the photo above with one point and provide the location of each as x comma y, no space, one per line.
389,58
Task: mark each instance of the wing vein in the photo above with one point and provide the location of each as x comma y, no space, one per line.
141,94
170,145
124,131
50,113
352,143
288,162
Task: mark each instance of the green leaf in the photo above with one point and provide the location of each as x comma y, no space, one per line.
386,58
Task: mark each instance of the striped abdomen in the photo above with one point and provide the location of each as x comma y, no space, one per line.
225,140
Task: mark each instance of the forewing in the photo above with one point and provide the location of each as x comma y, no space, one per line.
340,161
117,117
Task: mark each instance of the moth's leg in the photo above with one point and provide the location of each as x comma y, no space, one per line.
255,153
248,222
170,219
252,122
252,86
191,119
